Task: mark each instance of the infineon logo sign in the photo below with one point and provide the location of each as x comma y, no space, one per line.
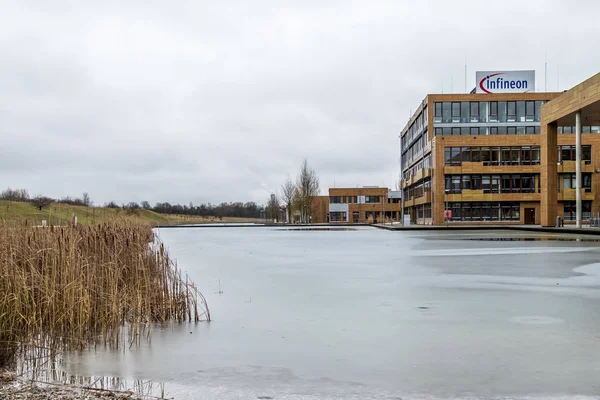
505,81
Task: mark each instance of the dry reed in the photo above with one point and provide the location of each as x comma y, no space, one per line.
66,288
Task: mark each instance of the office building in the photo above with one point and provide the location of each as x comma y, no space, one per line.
479,157
357,205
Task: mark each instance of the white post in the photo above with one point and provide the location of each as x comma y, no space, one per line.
578,168
401,185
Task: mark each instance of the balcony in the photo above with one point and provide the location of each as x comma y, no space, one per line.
426,198
571,166
483,168
419,175
571,194
480,195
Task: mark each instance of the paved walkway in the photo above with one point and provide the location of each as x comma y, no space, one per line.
568,229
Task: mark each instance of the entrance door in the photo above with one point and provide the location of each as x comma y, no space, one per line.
529,216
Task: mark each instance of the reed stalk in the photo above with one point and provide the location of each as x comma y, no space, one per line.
68,288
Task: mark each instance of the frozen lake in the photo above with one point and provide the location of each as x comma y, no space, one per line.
373,314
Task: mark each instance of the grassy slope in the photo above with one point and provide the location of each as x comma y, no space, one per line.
60,214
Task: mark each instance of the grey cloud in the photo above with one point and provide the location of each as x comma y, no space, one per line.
218,101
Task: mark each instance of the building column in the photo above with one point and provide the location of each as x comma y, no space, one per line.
578,167
548,170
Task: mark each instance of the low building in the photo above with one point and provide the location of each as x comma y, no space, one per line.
357,205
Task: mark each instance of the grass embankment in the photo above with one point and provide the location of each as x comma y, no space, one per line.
60,214
64,288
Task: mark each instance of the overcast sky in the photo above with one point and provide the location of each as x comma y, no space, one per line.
180,101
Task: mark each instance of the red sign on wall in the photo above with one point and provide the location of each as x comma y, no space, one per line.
447,214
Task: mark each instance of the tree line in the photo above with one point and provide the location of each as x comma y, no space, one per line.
294,198
226,209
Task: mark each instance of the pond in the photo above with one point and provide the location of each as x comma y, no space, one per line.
372,314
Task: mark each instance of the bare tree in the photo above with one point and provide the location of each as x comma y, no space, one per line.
15,195
111,204
288,191
40,201
308,186
86,200
273,208
145,205
398,183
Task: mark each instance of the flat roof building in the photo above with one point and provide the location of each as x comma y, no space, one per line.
478,157
358,205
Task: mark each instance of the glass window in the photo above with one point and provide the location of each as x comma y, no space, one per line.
511,130
456,212
456,131
567,129
474,111
515,155
485,183
493,111
464,111
587,180
476,182
464,131
506,156
568,182
446,112
455,156
493,130
476,211
485,154
475,154
535,155
585,129
502,116
586,153
466,182
438,131
446,131
516,183
520,130
520,111
455,183
437,110
538,110
496,159
466,154
530,130
511,111
486,211
455,112
475,131
483,111
495,185
565,153
525,155
537,130
506,183
502,130
527,184
530,111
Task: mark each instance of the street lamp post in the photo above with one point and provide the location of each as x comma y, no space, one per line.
446,192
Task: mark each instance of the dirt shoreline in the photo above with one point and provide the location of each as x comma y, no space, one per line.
31,391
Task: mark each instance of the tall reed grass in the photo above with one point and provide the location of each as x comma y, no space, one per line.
68,288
